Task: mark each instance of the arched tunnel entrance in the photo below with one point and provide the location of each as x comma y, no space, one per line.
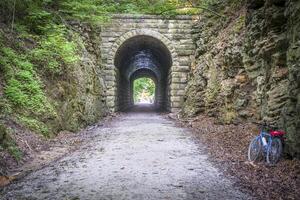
138,57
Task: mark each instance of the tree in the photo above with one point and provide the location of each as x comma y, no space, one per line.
143,88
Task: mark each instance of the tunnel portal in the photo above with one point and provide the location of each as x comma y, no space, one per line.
142,56
148,46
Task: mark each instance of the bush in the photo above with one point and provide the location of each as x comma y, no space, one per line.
23,87
23,91
6,143
35,125
54,51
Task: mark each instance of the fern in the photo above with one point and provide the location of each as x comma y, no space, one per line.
54,51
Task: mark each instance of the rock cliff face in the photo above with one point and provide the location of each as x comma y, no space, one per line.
76,94
247,66
292,109
79,92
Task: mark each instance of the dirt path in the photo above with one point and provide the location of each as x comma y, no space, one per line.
141,155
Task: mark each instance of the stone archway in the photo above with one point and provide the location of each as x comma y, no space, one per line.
145,32
170,38
139,53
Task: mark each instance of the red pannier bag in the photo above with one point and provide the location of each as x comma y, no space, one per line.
277,133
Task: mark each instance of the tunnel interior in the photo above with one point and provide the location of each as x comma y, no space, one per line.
138,57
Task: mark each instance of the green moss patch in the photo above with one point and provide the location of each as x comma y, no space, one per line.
7,143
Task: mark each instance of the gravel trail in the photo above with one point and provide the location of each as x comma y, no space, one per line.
140,155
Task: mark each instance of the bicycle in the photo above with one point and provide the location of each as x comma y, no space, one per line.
268,144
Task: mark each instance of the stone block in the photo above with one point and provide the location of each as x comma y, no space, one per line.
177,86
109,34
180,68
109,67
176,104
184,60
110,104
110,98
177,92
179,80
110,78
110,72
110,84
111,92
176,98
175,110
178,75
184,52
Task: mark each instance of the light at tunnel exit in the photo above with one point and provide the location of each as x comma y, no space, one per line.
143,90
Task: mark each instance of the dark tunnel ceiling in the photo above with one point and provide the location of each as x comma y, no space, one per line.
143,52
144,73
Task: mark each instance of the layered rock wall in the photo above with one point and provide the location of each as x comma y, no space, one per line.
79,92
247,66
291,118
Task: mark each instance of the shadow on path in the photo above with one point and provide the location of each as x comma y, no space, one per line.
143,108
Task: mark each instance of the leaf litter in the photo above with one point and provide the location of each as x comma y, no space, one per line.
228,146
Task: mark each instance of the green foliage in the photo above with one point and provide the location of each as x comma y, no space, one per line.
20,9
38,21
5,108
23,92
96,11
23,88
35,125
14,151
87,10
6,143
143,88
3,134
239,24
24,97
37,13
54,51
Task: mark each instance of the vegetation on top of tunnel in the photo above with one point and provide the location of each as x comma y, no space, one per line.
96,11
36,13
143,90
99,10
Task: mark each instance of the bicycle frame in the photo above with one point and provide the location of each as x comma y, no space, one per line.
268,138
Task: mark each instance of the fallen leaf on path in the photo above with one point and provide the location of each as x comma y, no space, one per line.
5,180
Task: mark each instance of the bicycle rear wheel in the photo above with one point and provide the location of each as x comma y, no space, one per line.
255,149
274,151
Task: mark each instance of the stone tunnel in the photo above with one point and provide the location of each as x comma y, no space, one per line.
133,47
142,56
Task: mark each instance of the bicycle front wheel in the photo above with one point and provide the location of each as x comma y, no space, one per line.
274,151
255,149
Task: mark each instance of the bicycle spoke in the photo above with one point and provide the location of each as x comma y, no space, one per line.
274,151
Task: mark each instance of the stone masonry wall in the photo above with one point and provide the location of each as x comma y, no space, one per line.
174,33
